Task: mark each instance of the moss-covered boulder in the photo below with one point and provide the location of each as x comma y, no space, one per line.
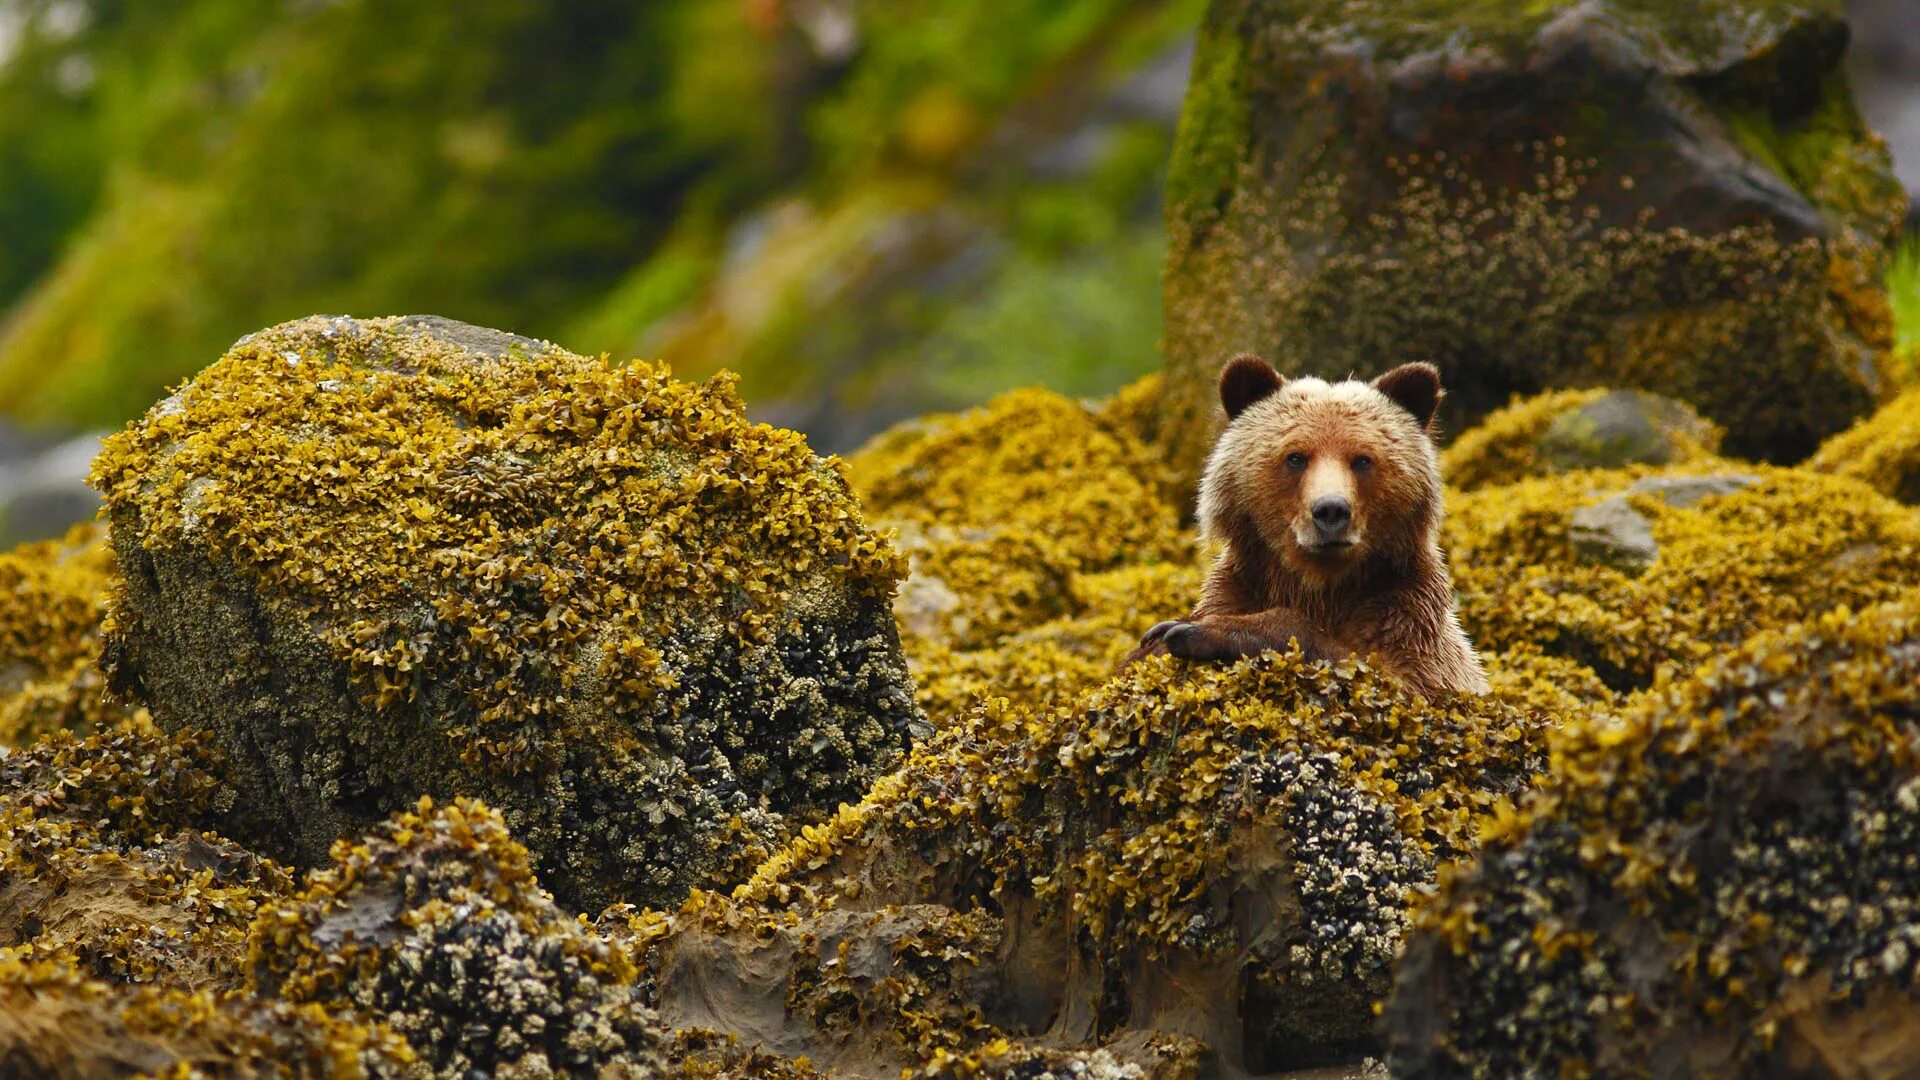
385,558
1629,571
1217,854
434,926
52,602
1564,430
1883,449
1534,195
1722,883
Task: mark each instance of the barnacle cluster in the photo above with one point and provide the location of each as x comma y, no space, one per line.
1722,881
434,925
1259,827
1882,450
52,596
1043,534
1562,429
1740,549
399,556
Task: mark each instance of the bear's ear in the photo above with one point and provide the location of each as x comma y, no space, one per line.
1415,388
1246,380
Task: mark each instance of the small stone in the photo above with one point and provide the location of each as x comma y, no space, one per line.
1613,532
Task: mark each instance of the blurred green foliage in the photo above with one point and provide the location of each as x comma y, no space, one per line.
175,173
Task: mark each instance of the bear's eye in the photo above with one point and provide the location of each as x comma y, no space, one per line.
1362,464
1297,461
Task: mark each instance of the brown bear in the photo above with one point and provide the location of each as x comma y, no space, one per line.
1327,497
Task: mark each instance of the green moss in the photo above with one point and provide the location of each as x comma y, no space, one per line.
1719,880
450,560
1903,294
1210,143
1556,248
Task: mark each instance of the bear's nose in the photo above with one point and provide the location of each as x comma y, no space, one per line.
1331,515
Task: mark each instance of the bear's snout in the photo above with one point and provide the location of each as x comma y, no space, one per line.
1332,516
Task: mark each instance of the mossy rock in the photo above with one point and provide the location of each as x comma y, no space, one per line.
53,598
1534,195
1223,854
1728,553
384,558
1564,430
1883,450
434,926
1721,883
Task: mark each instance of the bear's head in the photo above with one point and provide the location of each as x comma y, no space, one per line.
1325,476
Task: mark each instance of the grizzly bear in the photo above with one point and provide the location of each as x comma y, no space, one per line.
1327,498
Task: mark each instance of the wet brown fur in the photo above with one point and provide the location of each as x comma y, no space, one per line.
1388,594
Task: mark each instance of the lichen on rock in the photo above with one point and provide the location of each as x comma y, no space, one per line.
434,926
1720,882
389,557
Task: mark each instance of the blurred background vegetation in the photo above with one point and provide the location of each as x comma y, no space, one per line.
869,210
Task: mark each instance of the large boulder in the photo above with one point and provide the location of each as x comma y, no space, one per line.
1722,883
1213,859
1534,195
385,558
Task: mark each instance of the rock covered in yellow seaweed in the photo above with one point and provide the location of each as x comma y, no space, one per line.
1564,430
1044,537
106,860
434,925
1883,449
1721,883
1719,555
52,600
385,557
1220,853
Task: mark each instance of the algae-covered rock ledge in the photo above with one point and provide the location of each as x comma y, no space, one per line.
386,558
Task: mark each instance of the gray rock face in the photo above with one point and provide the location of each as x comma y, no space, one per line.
1626,427
1613,532
1533,196
386,558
